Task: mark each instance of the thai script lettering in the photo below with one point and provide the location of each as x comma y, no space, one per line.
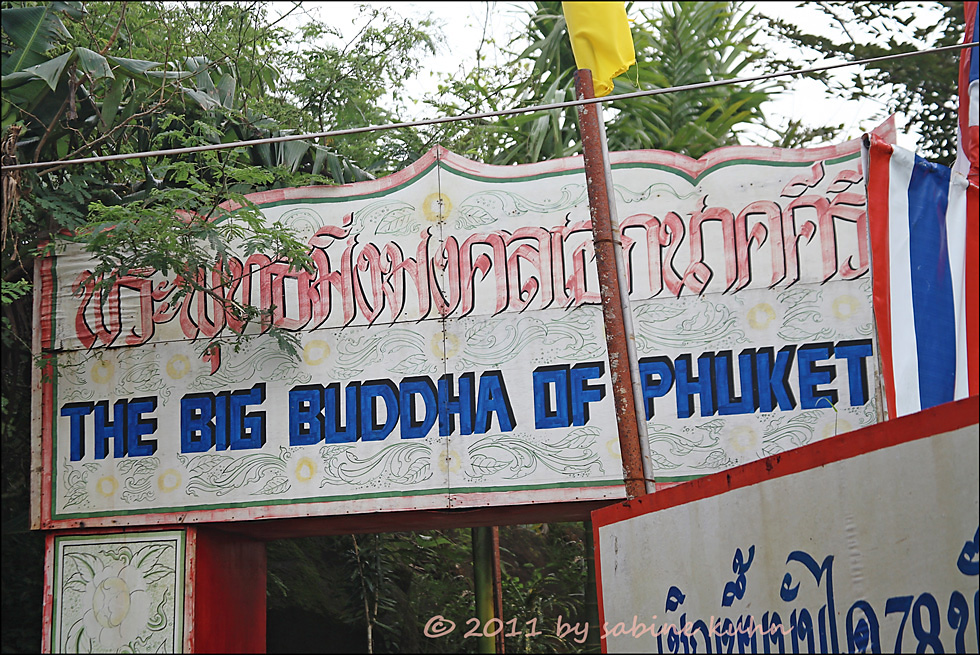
903,623
429,275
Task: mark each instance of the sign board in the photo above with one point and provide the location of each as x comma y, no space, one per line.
452,345
861,543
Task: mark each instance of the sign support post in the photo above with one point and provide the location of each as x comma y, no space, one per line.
624,370
483,584
498,592
592,641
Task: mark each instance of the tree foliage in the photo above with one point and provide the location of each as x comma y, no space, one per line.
924,88
396,582
677,43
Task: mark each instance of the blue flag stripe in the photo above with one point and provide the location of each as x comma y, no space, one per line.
932,286
974,59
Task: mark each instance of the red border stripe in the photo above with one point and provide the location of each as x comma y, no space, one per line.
47,292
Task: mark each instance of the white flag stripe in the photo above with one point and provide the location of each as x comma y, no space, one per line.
955,240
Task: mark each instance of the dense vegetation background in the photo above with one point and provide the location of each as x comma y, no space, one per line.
89,78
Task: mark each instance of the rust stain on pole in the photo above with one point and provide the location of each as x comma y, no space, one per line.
612,312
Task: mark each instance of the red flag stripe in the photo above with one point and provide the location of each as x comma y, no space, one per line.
878,198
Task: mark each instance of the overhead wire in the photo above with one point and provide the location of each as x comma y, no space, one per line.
483,115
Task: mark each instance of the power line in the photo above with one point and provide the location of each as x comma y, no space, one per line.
491,114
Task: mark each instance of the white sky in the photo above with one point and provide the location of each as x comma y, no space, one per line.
463,25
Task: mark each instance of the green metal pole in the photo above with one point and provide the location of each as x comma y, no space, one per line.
592,642
483,586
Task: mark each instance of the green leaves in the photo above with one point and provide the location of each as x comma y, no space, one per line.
90,63
33,31
93,64
676,43
923,88
11,291
49,71
681,44
134,67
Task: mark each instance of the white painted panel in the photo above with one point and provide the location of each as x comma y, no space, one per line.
118,593
880,549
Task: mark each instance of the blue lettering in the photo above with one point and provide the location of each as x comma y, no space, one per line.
222,437
247,428
772,378
583,393
106,429
545,415
686,386
137,427
371,429
461,404
855,352
493,399
728,403
664,370
413,427
196,429
76,413
305,415
811,376
335,432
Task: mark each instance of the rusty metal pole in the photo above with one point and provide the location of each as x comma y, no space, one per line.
609,288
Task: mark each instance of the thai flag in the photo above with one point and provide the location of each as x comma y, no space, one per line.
925,250
968,140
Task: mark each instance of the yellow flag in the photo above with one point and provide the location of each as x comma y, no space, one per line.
601,40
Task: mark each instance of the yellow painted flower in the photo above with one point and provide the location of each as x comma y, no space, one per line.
178,367
107,486
168,481
316,352
846,306
450,463
445,344
102,371
117,606
761,316
744,439
305,469
436,207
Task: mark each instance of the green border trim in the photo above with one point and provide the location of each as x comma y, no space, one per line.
666,168
694,179
353,197
448,491
518,178
683,478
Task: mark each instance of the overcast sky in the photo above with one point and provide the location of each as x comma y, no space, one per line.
464,24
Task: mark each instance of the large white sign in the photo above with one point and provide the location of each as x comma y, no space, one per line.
863,543
452,345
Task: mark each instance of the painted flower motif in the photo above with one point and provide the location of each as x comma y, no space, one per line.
117,606
115,588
